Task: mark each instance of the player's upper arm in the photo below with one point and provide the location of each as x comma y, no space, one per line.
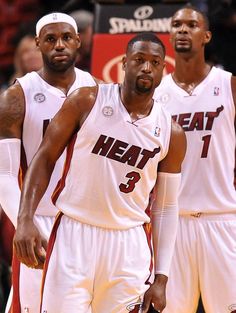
12,112
177,148
67,122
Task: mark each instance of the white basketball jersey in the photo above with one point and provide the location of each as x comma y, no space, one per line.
113,167
42,102
207,116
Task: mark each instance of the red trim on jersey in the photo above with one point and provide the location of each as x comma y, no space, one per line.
15,305
148,232
51,242
61,182
23,166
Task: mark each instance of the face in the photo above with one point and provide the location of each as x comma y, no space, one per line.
27,57
59,46
188,31
143,66
86,40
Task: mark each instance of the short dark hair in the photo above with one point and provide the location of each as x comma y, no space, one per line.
193,8
146,36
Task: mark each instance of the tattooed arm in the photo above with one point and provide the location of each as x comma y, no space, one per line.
12,111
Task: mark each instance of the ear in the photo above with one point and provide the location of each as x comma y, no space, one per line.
208,36
37,41
78,40
124,62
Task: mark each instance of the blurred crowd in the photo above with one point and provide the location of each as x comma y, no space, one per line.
19,55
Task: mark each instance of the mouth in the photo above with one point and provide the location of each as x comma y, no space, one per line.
145,78
182,41
60,57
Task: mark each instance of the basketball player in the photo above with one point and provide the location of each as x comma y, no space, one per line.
121,142
202,100
26,109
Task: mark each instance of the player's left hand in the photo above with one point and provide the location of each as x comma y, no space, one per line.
29,246
155,295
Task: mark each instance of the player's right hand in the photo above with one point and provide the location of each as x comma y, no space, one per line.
29,246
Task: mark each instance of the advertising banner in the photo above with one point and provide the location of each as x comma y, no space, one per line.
115,25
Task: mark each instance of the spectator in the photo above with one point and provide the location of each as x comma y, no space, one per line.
221,50
13,13
84,20
27,57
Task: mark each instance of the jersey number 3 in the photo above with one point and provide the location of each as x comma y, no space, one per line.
133,178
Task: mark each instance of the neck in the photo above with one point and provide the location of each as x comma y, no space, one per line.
190,70
60,80
134,101
138,105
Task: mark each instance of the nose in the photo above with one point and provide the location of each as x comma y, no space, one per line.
183,28
59,44
147,67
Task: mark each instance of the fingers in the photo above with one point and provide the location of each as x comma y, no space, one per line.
146,303
31,251
153,301
45,245
40,252
32,257
25,252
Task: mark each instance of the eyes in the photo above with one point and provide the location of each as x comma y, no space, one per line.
190,24
52,38
140,60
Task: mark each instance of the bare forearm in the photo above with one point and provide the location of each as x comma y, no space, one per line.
34,187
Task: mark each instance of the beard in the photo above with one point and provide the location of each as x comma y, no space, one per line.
58,66
183,48
142,88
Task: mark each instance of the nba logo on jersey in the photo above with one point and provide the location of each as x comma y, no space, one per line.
54,16
216,91
157,131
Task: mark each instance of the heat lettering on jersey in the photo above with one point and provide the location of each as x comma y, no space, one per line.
122,152
197,120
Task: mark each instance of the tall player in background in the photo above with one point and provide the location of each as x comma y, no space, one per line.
26,109
202,100
121,143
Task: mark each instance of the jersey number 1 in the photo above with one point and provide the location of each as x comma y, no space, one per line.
206,142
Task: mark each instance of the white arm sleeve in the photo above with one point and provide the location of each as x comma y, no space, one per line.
164,218
9,169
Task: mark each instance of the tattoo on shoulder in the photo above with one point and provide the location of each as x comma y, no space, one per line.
12,110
